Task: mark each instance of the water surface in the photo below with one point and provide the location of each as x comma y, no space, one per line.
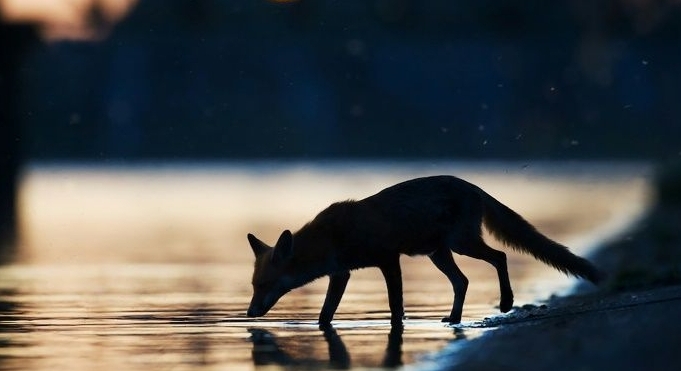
147,267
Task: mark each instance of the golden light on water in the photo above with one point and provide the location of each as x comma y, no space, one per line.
147,267
67,19
162,214
195,215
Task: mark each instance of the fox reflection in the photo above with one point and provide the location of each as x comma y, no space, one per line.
267,350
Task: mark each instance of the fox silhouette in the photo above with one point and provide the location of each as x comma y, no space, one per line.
432,216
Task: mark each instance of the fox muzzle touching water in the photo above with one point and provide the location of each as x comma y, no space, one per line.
271,283
432,216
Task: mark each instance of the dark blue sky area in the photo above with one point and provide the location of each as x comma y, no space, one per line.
337,79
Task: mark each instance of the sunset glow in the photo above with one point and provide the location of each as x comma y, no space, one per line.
67,19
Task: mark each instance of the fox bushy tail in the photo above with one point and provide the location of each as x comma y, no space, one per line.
514,231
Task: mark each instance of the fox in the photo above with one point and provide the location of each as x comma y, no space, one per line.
433,216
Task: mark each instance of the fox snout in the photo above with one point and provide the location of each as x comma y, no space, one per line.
255,312
255,309
260,306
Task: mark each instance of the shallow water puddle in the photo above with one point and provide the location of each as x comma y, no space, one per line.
148,268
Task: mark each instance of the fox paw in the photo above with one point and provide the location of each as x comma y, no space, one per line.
506,304
451,321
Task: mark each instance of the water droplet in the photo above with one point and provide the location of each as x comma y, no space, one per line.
355,47
74,119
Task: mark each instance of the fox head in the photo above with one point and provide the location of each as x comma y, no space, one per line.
270,278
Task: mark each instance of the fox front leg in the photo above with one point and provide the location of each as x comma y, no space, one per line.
393,278
337,284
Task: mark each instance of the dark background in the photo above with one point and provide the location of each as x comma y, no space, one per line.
399,79
355,78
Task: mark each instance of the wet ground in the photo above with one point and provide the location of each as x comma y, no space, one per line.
148,267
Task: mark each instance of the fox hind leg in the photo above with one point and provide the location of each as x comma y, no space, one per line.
480,250
444,261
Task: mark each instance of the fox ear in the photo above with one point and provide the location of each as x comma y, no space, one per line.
283,250
258,246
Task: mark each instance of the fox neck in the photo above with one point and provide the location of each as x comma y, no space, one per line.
314,256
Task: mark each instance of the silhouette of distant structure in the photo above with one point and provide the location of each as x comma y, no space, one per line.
15,40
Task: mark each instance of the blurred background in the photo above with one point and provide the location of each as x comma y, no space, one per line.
121,81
